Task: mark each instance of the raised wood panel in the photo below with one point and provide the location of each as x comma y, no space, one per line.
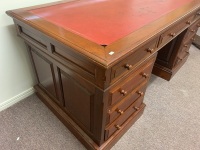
79,61
44,72
78,99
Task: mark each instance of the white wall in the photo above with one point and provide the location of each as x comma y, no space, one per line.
16,77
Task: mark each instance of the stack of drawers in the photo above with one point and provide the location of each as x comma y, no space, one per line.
174,46
183,52
126,98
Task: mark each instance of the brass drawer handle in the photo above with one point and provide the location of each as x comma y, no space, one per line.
150,50
188,22
123,92
172,34
118,127
145,75
127,66
120,111
140,93
193,31
136,108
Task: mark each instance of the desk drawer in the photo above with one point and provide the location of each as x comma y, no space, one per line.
122,90
192,30
185,49
129,63
182,56
180,60
183,52
197,16
117,124
119,109
174,31
35,38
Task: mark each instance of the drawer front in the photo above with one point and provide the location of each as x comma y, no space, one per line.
129,63
35,38
183,54
122,90
192,30
75,62
197,15
180,60
174,31
119,109
184,49
117,124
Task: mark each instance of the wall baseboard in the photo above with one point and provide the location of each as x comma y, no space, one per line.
16,99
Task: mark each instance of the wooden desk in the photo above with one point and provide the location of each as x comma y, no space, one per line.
93,59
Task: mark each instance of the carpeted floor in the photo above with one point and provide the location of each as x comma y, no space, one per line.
171,120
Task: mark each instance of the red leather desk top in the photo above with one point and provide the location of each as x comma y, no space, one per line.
105,21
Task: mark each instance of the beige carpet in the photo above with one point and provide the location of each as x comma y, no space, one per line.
171,120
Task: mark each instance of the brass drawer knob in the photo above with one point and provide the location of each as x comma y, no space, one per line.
145,75
140,93
136,108
150,50
172,34
120,111
193,30
118,127
123,92
127,66
188,22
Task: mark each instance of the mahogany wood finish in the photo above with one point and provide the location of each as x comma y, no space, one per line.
172,56
95,83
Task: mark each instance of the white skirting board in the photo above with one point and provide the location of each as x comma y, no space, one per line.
16,99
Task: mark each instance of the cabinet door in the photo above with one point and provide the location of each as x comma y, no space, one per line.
78,98
44,73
